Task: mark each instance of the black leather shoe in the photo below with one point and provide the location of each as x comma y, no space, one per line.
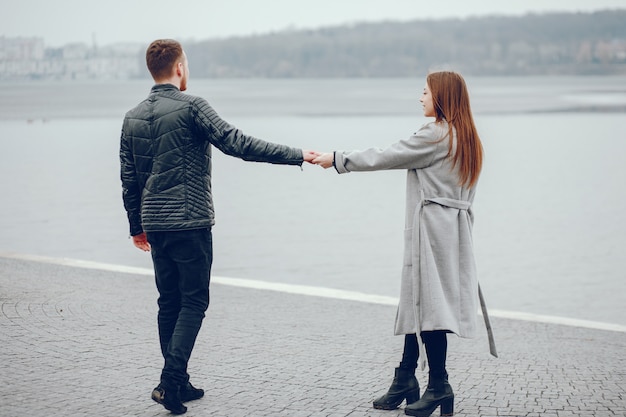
169,398
190,393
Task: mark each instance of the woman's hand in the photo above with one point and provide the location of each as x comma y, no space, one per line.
325,160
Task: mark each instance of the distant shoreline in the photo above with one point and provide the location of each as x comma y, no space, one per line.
558,43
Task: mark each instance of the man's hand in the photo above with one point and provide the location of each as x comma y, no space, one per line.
141,242
309,156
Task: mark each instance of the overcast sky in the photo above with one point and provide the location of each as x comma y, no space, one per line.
111,21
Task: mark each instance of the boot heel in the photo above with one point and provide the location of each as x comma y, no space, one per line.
412,396
447,407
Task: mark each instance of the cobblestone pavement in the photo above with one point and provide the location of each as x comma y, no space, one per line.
79,342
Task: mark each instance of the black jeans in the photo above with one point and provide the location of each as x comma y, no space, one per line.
182,265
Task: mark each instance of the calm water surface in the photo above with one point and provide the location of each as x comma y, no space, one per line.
550,233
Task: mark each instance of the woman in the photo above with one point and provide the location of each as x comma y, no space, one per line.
439,288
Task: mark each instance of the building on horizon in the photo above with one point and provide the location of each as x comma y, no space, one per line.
24,59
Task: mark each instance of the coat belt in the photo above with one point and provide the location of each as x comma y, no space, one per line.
483,307
448,202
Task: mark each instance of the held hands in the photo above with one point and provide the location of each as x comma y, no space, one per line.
325,160
309,156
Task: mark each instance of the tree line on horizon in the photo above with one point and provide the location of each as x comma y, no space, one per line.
534,44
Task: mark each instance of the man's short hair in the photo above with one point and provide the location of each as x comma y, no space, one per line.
161,56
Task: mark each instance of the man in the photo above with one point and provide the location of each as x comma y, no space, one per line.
165,157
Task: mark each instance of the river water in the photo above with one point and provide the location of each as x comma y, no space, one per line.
550,234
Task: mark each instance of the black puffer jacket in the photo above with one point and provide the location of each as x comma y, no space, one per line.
165,157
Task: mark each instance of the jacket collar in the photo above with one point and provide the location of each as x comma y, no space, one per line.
163,87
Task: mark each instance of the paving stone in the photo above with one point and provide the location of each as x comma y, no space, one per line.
80,342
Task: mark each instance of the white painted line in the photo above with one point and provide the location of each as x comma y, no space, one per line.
314,291
565,321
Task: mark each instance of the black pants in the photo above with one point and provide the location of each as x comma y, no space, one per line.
436,344
182,265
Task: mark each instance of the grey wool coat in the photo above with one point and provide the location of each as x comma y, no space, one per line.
439,288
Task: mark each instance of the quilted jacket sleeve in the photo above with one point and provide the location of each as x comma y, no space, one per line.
131,192
234,142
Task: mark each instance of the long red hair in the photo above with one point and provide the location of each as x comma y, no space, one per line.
451,103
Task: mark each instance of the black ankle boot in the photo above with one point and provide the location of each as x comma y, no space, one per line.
438,393
169,397
404,386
